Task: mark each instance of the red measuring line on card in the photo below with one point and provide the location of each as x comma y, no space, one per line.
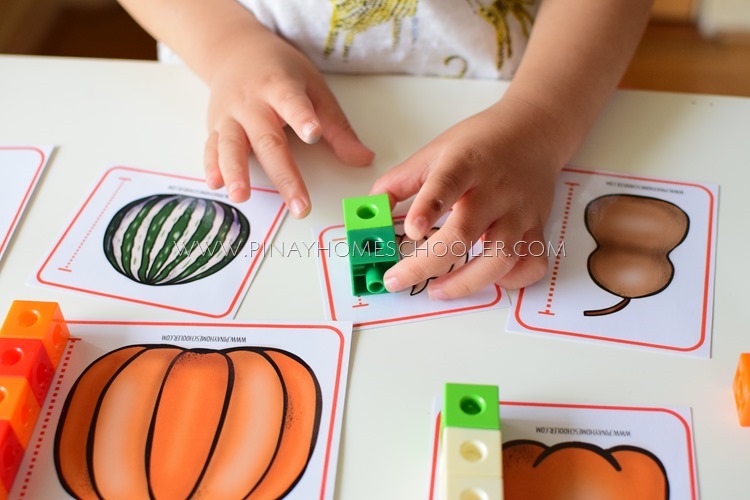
359,302
47,416
561,239
67,269
359,297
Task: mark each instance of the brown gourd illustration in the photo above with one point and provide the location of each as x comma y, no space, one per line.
161,421
634,236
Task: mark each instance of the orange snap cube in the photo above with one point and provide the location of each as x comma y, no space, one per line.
38,320
18,407
741,388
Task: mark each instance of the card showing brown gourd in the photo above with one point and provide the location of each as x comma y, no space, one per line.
624,252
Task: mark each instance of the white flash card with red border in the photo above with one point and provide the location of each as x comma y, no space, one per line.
556,450
179,410
20,170
632,264
412,304
164,240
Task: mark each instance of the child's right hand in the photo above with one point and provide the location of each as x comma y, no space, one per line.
260,84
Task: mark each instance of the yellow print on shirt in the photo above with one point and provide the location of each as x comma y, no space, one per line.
352,17
496,13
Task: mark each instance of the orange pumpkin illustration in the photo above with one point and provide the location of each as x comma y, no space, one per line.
164,422
575,470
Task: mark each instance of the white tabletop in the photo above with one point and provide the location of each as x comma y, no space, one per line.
147,115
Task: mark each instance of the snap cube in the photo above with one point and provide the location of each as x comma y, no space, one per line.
741,387
11,452
18,407
38,320
371,241
471,443
27,358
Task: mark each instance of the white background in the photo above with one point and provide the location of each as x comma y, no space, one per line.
151,116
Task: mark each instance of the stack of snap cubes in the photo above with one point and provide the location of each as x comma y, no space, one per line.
32,342
471,460
371,242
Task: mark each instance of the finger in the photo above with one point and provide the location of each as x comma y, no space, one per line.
532,265
269,143
234,149
336,129
404,180
443,187
439,252
296,109
211,161
495,260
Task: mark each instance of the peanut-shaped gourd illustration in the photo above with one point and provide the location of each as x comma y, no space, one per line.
634,236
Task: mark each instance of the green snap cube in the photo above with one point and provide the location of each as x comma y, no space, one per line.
471,406
367,212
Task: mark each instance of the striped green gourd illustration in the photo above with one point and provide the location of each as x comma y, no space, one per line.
170,239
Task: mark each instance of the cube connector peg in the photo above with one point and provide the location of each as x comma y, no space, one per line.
471,444
741,387
371,242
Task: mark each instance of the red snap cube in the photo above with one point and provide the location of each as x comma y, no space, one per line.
11,453
27,358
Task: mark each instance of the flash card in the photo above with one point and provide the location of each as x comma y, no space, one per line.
20,170
552,450
413,304
629,252
163,410
164,240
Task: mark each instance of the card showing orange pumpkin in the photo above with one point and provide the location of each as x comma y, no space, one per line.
164,240
181,410
626,251
565,451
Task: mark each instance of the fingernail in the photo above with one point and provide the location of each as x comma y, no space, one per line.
234,188
436,294
310,133
297,206
392,283
420,224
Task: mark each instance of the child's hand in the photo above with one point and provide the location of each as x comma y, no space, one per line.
261,84
496,170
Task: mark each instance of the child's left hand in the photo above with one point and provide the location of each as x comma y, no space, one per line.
496,170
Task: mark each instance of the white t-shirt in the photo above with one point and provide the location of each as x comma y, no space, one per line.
451,38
